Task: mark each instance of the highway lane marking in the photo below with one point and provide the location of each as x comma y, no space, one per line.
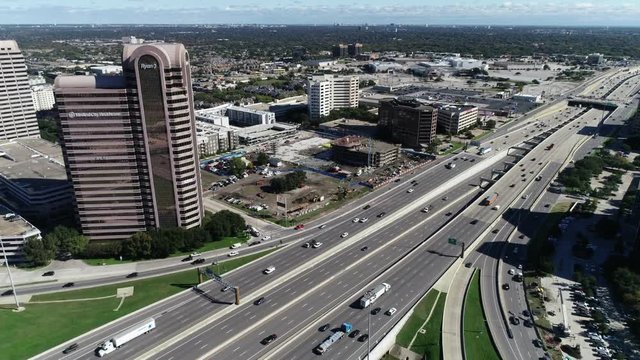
236,349
224,327
228,331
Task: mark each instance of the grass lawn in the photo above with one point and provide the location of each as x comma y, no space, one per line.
484,133
429,343
214,245
420,314
477,338
42,326
456,146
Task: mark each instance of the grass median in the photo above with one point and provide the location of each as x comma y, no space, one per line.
42,326
429,343
477,337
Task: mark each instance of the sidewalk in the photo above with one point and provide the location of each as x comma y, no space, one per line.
452,334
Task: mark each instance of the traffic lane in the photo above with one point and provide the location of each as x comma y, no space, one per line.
327,268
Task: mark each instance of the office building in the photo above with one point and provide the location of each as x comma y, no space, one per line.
453,119
17,116
340,50
359,151
130,146
595,59
409,122
354,49
329,92
15,231
42,97
242,116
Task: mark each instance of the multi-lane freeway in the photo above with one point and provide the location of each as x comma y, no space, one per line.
309,287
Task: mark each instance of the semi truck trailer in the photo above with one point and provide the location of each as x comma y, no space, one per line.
124,337
326,344
372,295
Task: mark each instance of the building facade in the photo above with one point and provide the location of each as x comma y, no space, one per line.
329,92
17,115
408,122
130,146
15,232
354,49
453,119
42,97
359,151
242,116
340,50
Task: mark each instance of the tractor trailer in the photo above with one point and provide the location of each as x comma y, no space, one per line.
326,344
373,294
125,336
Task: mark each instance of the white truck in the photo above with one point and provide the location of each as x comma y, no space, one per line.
372,295
484,150
125,336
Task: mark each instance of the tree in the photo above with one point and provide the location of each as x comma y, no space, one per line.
37,253
64,239
491,124
138,246
237,166
224,223
546,67
262,159
289,182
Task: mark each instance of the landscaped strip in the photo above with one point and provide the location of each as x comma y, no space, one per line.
429,343
477,337
43,326
419,316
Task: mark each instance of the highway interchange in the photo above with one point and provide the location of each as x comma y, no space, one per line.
406,248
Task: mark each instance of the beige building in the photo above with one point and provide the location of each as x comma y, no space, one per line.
329,92
17,115
453,119
129,144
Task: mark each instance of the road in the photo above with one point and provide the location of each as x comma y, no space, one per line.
321,277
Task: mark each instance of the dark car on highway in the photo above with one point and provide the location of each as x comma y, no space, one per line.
375,311
382,214
354,333
132,275
514,320
49,273
197,261
7,293
363,338
474,221
364,248
69,284
259,301
269,339
505,286
71,348
324,327
366,207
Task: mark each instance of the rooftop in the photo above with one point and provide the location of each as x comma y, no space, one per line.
12,224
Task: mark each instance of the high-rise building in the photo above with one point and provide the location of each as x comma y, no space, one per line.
129,144
42,97
354,49
409,122
340,50
453,119
329,92
17,116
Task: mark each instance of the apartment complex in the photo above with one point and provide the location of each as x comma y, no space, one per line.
409,122
453,119
17,116
130,146
329,92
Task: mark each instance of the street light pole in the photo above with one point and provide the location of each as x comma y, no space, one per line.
13,288
369,338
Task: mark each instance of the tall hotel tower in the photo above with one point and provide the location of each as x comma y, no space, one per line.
17,115
129,144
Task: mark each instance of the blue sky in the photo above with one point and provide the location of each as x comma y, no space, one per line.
462,12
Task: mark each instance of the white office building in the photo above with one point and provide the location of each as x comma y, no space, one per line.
42,97
15,231
330,92
17,115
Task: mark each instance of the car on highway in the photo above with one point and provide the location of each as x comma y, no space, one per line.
49,273
195,254
505,286
364,248
495,231
269,339
382,214
322,226
391,311
259,301
306,245
299,227
316,245
474,221
324,327
132,275
226,288
527,323
514,320
525,196
71,348
363,338
537,343
512,185
425,209
197,261
233,253
410,191
68,285
344,235
356,220
354,333
376,311
445,198
254,243
526,313
266,238
448,213
366,207
364,220
269,270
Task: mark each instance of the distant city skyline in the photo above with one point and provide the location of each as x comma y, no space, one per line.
416,12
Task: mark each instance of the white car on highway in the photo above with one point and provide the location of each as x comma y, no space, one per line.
316,245
268,237
511,271
344,235
356,220
425,209
233,253
364,220
410,191
269,270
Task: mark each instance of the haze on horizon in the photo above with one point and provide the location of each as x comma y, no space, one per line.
417,12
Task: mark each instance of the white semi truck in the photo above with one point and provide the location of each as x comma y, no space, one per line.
125,336
373,294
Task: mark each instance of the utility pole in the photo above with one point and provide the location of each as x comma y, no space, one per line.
462,250
13,287
369,338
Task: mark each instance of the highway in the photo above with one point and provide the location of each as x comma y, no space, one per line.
313,285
